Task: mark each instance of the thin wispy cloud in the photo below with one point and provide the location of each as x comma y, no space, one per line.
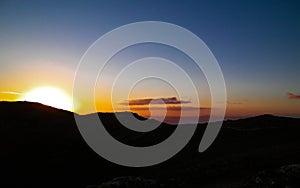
292,95
170,100
11,92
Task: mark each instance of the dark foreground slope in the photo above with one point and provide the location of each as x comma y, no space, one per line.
41,147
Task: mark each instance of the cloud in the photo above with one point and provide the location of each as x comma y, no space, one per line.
170,100
171,108
292,96
11,92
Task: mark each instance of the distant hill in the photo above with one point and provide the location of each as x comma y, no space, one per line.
42,147
266,121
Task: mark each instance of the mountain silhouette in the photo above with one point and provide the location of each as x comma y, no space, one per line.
42,147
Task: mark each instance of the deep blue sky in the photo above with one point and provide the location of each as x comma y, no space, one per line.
257,43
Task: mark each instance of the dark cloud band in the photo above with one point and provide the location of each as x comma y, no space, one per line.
170,100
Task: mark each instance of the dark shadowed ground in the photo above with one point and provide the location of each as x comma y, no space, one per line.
41,147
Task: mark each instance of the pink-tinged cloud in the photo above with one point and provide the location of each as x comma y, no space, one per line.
170,100
292,96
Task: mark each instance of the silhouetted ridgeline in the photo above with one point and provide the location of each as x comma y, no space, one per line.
41,147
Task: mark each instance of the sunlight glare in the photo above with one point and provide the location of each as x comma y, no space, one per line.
49,96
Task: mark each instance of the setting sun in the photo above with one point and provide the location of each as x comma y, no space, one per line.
49,96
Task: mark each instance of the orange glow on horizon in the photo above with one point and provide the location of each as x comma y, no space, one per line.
102,103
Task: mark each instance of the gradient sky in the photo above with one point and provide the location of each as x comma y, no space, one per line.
257,44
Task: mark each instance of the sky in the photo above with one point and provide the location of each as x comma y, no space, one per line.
256,43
